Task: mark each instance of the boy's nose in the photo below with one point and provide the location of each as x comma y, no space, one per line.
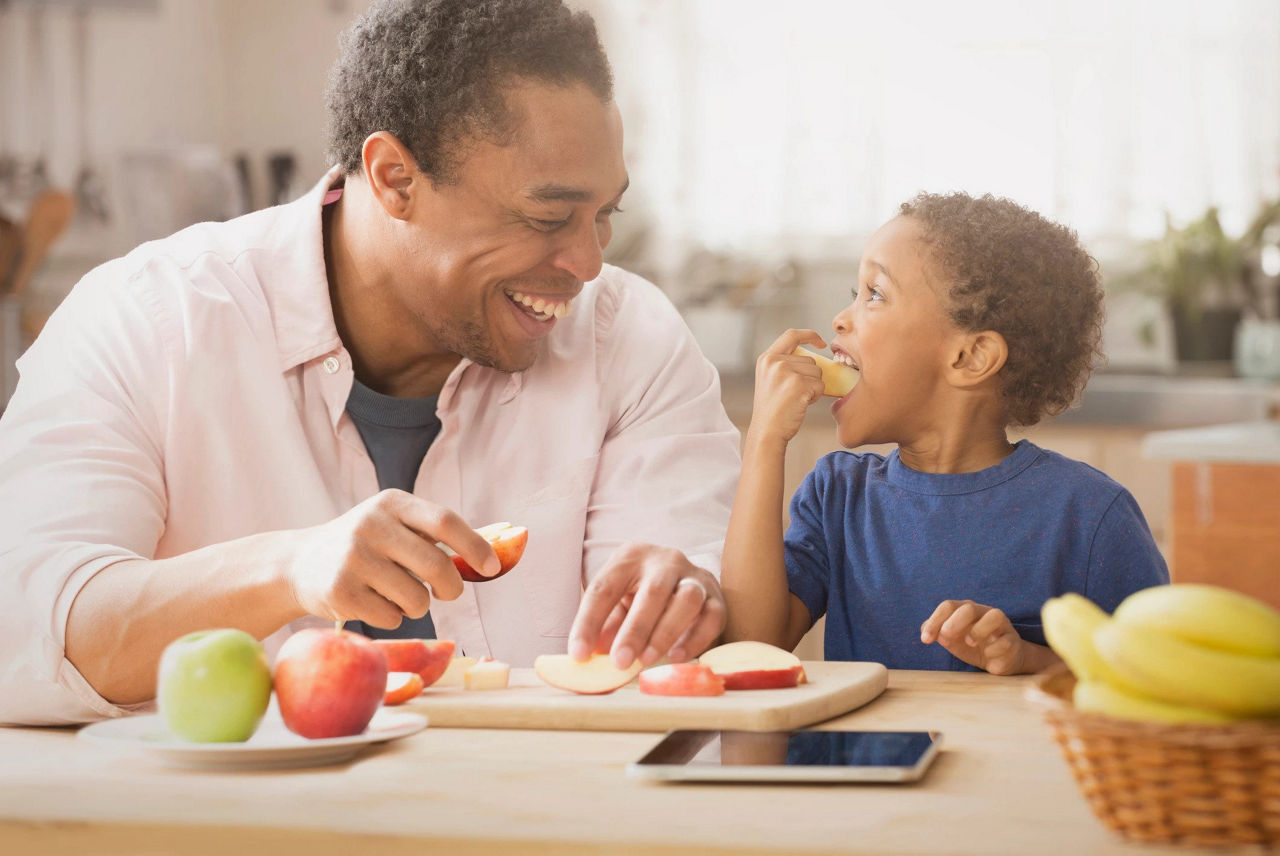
842,323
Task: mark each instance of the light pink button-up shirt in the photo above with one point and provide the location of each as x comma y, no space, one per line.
194,392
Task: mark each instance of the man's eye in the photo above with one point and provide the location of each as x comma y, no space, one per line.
607,213
549,225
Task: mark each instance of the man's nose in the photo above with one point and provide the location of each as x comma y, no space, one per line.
581,254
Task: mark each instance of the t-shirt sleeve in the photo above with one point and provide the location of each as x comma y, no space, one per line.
1124,557
805,546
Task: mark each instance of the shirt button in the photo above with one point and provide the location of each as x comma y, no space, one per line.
331,365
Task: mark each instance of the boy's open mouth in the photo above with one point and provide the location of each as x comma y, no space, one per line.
844,358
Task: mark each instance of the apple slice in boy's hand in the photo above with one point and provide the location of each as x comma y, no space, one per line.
837,378
754,666
507,541
595,675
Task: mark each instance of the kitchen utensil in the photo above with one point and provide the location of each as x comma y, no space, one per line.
49,216
832,688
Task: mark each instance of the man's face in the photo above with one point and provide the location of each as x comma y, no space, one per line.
899,336
490,261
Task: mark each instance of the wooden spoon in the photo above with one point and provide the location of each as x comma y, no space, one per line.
49,216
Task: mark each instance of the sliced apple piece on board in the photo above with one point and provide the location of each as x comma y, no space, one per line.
837,378
754,666
428,657
402,686
488,674
681,679
453,673
595,675
507,541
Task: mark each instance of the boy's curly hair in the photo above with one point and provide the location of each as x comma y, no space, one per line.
432,73
1014,272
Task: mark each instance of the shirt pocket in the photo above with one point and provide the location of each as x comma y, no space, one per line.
551,568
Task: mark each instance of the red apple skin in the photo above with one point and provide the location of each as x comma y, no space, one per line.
764,679
509,549
440,652
411,688
404,655
329,683
681,679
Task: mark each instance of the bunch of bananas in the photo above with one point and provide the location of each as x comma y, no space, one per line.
1174,653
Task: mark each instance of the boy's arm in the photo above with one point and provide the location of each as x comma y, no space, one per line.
753,576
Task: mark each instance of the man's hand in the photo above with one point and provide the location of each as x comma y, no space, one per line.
980,635
374,563
648,602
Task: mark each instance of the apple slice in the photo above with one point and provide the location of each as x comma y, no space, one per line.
428,657
402,686
681,679
595,675
488,674
837,378
754,666
454,671
507,541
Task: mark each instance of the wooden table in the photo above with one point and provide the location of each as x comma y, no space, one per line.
999,787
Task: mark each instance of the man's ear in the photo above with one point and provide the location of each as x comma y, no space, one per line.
979,359
391,171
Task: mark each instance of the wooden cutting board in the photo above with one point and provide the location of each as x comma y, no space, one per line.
832,688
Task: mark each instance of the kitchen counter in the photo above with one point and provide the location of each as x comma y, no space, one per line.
998,787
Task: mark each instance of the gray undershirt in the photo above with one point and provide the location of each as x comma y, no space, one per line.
397,433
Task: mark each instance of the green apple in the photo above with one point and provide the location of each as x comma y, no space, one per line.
214,686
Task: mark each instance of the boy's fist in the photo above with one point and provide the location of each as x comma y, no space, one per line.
980,635
786,384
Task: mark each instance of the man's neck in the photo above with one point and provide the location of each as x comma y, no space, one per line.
385,354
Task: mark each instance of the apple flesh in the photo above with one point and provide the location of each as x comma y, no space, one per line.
506,540
454,671
681,679
329,683
428,657
213,686
487,675
754,666
595,675
402,686
837,378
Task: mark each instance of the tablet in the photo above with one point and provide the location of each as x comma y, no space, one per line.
789,756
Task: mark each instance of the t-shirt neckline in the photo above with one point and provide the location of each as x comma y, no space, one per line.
900,475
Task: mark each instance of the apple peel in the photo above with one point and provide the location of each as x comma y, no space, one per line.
402,686
681,679
749,665
507,541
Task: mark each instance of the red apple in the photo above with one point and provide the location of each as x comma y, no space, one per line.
507,541
681,679
428,657
402,686
329,683
754,666
595,675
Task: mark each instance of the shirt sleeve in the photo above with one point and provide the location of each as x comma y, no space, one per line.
81,485
670,459
805,547
1124,557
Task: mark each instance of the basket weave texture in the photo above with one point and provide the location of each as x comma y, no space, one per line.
1211,785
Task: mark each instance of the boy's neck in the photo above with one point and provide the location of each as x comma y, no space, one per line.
958,446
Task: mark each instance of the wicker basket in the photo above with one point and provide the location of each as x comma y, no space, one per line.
1188,784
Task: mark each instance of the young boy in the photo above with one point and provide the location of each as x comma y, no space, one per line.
970,316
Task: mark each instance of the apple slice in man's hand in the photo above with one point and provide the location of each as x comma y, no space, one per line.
595,675
508,543
754,666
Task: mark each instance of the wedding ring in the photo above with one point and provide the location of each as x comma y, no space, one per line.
690,581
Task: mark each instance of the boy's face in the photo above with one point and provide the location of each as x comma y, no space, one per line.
900,338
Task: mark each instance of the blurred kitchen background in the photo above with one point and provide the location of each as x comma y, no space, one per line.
765,141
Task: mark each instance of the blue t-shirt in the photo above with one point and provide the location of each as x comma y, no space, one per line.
876,546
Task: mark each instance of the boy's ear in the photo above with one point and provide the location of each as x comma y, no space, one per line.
391,172
979,359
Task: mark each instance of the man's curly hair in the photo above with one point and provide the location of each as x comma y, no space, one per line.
433,72
1012,271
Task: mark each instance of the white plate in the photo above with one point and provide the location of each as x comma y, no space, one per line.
271,746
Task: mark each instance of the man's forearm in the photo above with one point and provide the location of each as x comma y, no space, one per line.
126,614
754,576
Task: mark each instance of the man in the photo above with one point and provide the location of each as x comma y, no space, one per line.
211,430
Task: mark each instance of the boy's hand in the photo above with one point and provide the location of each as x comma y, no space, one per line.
786,384
980,635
